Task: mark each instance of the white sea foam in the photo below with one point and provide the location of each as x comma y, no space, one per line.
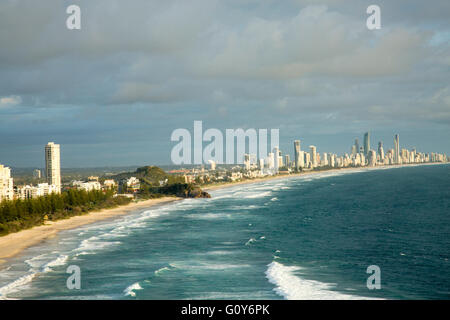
292,287
129,291
250,241
254,195
162,270
208,216
60,261
93,244
13,286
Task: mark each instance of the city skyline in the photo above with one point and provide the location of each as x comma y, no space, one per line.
52,152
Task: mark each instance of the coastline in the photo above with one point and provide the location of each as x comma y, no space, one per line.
213,187
14,243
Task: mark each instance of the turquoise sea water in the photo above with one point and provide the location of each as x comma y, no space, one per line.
309,237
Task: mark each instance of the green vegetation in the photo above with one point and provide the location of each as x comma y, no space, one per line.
21,214
150,175
156,183
184,190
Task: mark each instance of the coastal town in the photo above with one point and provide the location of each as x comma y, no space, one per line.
276,163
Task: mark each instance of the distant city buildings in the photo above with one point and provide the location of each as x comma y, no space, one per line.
213,165
253,167
37,174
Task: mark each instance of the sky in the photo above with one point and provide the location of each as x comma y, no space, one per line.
113,92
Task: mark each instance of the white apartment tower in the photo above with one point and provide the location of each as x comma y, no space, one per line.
396,149
53,165
276,154
6,184
313,156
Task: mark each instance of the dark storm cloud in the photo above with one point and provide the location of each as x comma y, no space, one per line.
139,69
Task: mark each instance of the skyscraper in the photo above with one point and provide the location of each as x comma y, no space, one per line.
270,160
381,151
6,184
357,145
366,143
276,155
53,165
372,158
287,160
247,161
313,156
297,154
396,149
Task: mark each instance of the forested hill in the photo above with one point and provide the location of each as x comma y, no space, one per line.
156,182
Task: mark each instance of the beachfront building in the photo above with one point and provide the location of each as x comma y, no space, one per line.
212,164
6,184
31,192
366,143
372,158
298,156
109,184
313,156
396,149
247,161
287,161
380,152
87,186
276,159
53,165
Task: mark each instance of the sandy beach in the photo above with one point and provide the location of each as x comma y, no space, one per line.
216,186
12,244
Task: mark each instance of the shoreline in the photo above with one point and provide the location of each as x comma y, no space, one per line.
213,187
14,243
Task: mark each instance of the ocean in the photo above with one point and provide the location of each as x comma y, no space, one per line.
304,237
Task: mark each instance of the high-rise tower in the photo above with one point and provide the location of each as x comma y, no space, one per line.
396,149
53,165
297,154
381,150
313,156
6,184
366,143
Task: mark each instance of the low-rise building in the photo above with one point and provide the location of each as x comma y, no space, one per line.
87,186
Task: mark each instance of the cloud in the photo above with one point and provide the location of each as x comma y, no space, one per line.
141,68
